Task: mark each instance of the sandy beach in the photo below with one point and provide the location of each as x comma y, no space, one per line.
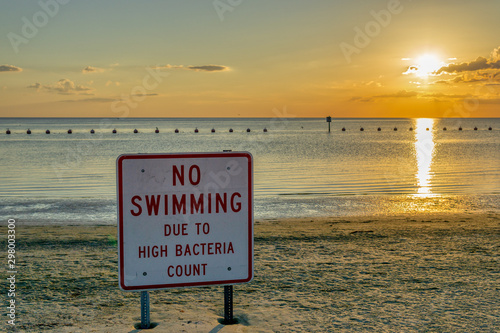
418,273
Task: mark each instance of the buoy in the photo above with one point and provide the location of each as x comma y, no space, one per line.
411,128
213,130
343,129
361,129
47,132
475,128
248,130
489,128
196,130
460,128
70,131
8,131
265,130
92,131
395,128
157,130
444,128
114,131
176,130
136,131
230,130
379,129
28,131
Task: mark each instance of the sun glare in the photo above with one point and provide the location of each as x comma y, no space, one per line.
425,65
424,148
428,64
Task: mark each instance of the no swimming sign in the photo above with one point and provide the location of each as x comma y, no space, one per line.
184,219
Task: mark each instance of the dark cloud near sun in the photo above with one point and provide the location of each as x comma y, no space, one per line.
479,64
10,68
472,77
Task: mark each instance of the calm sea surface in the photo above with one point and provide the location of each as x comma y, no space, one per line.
300,168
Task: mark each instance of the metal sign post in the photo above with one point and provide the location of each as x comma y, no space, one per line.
228,306
145,322
328,120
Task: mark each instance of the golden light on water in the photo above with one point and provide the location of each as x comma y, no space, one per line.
424,151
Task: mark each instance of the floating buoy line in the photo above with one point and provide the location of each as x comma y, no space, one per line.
248,130
379,129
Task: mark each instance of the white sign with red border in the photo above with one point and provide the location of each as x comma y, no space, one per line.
184,219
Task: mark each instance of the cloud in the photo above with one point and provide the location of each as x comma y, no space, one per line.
209,68
145,95
36,85
411,70
10,68
495,55
94,99
66,86
169,67
361,99
407,94
442,95
90,69
63,87
489,101
479,64
203,68
472,77
399,94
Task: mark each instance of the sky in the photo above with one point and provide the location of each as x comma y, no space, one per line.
250,58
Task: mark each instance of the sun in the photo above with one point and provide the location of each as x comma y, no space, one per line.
428,64
425,65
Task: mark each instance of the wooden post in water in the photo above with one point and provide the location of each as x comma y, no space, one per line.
328,120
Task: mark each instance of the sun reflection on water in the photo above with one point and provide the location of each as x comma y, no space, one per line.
424,148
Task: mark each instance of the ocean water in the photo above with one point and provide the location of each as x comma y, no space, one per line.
301,170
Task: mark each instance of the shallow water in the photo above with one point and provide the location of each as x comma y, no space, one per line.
300,168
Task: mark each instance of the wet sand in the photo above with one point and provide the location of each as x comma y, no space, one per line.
427,272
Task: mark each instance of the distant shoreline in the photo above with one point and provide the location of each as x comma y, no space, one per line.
252,118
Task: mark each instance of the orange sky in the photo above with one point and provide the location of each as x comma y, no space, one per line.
247,58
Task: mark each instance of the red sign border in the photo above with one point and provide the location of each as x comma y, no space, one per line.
121,259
